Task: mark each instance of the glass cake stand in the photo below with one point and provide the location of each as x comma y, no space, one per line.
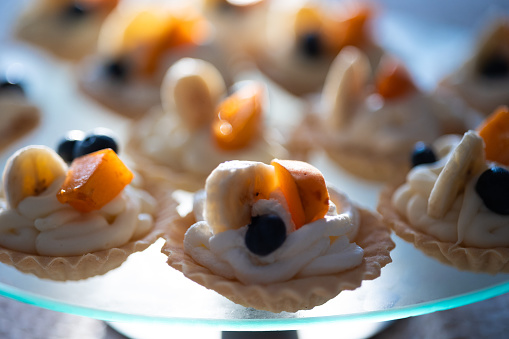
145,290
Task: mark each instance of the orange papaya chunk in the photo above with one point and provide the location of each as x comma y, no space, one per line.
93,180
495,133
393,80
239,118
176,30
304,188
350,30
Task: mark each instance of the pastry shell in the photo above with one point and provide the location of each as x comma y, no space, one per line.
296,294
487,260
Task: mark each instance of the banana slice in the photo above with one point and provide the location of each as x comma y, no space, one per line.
192,88
467,158
344,85
231,190
30,171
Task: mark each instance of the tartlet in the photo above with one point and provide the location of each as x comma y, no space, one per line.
19,116
198,126
136,46
71,223
68,29
455,208
275,237
483,79
369,124
302,38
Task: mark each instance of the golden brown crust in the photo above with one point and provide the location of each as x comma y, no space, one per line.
293,295
492,260
26,120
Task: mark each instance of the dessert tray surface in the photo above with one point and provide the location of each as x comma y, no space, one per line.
146,289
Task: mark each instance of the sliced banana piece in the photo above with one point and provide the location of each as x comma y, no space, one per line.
467,158
231,190
192,88
30,171
344,85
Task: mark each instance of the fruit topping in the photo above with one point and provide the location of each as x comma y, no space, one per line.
422,154
30,171
393,80
304,189
94,180
239,118
75,10
7,85
192,88
495,67
495,133
117,69
265,234
310,44
493,188
98,139
66,145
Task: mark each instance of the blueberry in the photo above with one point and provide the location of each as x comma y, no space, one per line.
422,154
98,139
116,69
310,44
75,10
493,188
265,234
6,85
497,66
66,145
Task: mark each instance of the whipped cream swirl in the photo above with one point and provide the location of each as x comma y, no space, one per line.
318,248
468,222
42,225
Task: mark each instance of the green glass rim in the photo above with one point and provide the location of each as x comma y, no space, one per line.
258,324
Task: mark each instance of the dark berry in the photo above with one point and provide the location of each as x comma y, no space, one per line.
98,139
117,69
75,10
497,66
493,188
310,45
6,85
265,234
66,145
422,154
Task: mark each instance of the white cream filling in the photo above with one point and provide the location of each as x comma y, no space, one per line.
308,251
44,226
167,141
393,126
468,222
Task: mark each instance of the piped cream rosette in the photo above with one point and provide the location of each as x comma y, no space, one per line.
441,208
198,126
275,237
369,125
74,240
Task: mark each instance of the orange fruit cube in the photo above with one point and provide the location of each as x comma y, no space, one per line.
239,118
495,133
393,80
304,188
93,180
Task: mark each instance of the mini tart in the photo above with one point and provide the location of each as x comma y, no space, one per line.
483,80
492,260
65,35
366,133
78,267
290,296
19,117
